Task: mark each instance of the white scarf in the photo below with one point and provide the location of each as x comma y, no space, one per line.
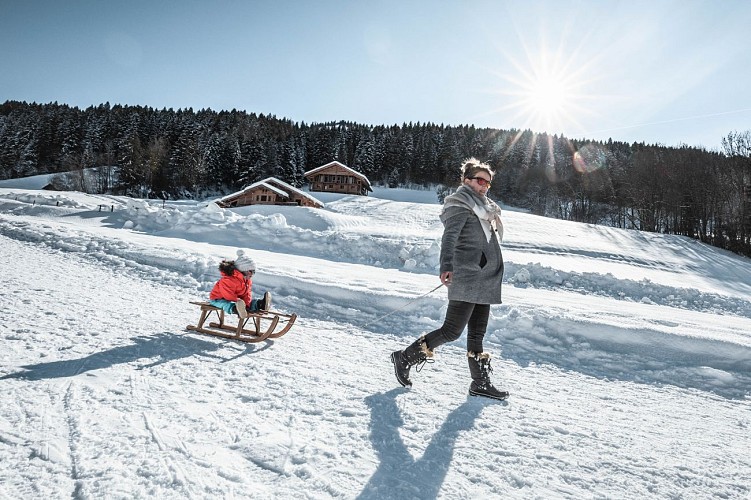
486,210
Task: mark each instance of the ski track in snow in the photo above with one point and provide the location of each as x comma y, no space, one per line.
111,397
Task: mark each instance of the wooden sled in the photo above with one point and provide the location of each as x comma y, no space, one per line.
249,329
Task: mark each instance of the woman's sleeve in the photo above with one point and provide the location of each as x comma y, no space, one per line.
453,222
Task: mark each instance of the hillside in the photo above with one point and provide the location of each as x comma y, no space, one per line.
628,358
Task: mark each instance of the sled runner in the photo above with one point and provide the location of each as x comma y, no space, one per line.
250,329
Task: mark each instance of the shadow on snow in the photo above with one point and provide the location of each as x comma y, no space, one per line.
398,474
164,346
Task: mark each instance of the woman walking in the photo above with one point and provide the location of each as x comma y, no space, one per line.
471,266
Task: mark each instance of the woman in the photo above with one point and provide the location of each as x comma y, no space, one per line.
472,268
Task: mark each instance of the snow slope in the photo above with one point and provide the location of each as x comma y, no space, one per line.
628,356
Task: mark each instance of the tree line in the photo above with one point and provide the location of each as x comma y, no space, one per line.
185,153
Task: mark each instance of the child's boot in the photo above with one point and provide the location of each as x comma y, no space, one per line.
240,306
265,304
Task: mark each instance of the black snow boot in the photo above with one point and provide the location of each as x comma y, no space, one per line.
265,303
479,368
417,353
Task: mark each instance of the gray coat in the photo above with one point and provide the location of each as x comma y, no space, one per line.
477,263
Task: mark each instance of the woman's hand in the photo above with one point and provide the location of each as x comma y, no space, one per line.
446,277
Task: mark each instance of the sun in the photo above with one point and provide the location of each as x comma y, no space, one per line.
546,99
546,91
548,96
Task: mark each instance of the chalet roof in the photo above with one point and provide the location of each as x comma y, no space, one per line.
265,183
293,189
41,181
341,165
272,184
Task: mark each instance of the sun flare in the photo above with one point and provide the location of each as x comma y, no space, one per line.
547,100
546,91
548,96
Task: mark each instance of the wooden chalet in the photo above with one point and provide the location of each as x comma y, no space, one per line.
337,177
270,191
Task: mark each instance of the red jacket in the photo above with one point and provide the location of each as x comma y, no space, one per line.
232,288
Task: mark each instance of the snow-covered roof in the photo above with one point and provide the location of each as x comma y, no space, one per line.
281,188
271,187
41,181
338,164
32,182
293,189
253,186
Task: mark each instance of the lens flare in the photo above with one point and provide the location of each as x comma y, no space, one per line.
589,158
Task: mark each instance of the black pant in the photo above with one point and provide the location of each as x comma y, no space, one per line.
458,315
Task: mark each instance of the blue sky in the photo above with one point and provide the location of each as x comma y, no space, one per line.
669,72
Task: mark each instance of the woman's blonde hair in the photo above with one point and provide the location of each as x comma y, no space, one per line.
471,166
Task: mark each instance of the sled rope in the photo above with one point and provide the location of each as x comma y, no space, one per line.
402,306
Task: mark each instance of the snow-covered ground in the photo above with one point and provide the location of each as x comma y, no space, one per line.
627,355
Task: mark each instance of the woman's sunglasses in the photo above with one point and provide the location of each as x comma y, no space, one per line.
481,181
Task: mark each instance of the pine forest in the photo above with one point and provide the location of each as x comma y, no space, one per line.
150,153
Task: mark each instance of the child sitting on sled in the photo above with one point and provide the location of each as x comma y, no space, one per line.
233,291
